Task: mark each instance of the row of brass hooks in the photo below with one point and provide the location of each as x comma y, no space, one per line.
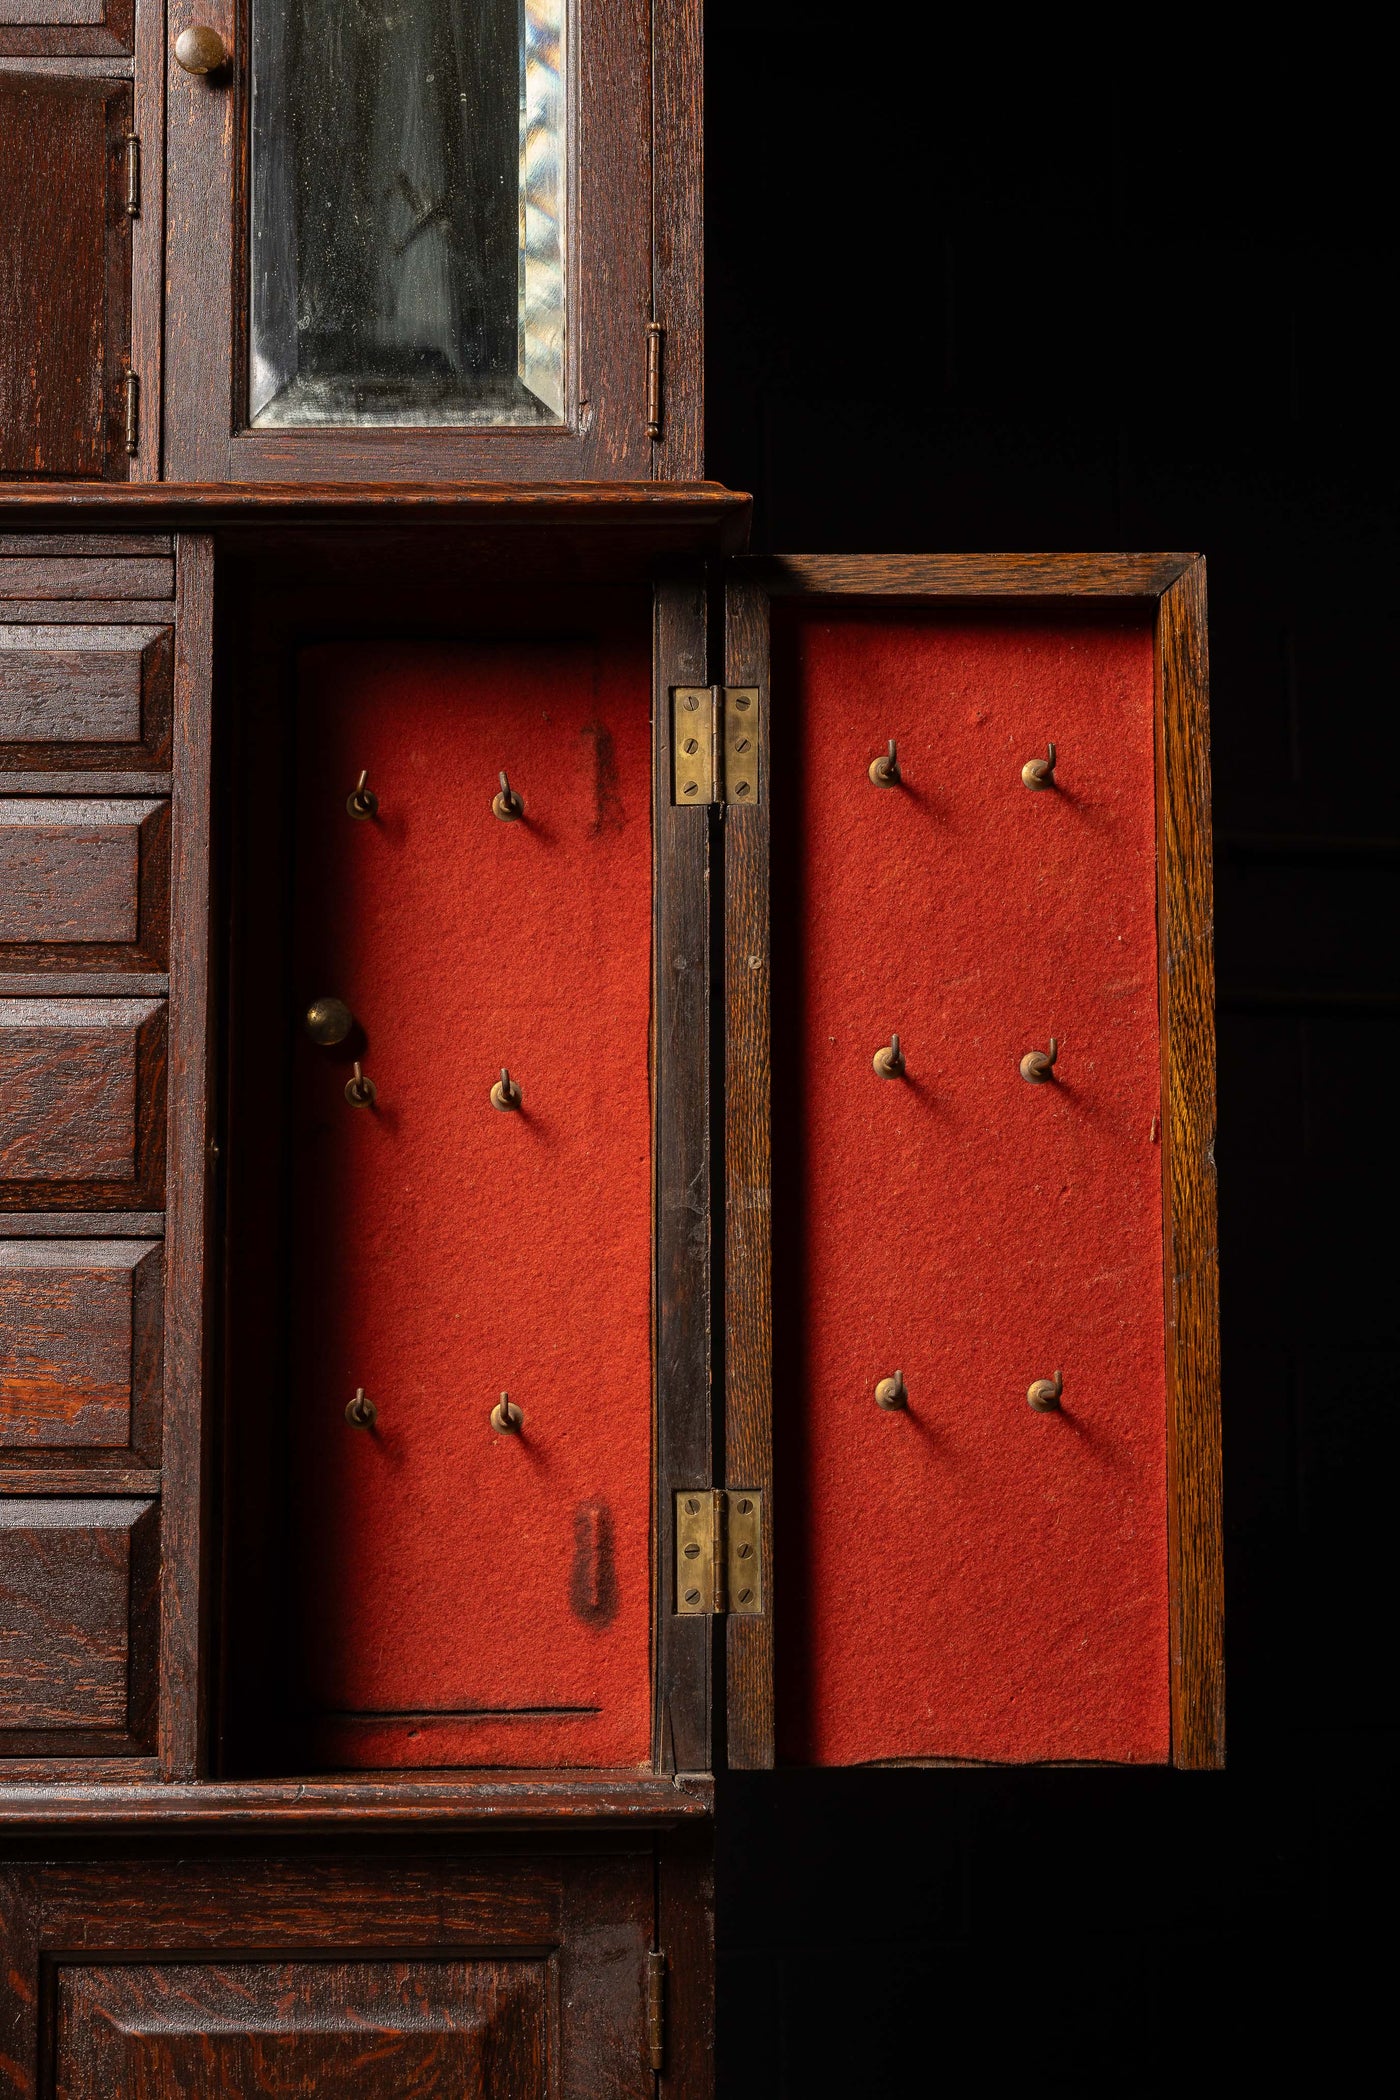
1044,1396
1035,773
362,802
506,1417
1035,1067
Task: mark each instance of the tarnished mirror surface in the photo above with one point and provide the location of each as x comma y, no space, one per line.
407,212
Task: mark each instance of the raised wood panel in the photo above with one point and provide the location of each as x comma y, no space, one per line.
80,1351
84,881
82,1100
76,1621
65,277
78,697
66,28
37,578
379,2029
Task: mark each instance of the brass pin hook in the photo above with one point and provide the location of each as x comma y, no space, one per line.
507,804
361,1092
1040,772
889,1062
885,771
1044,1395
362,800
328,1021
505,1093
1036,1065
361,1412
892,1393
506,1416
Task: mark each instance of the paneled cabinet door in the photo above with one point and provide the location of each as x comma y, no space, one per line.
970,1257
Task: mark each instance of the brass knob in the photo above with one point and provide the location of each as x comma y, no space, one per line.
1040,772
892,1393
1037,1065
505,1093
1044,1395
328,1022
889,1062
885,771
361,1412
359,1091
506,1416
200,49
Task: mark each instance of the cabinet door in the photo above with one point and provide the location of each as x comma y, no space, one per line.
65,278
977,957
417,244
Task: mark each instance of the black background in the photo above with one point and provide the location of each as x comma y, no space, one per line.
1075,296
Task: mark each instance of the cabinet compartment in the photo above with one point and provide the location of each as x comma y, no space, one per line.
82,1104
65,278
84,696
83,882
77,1624
80,1347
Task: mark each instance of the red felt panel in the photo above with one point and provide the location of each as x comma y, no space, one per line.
467,1597
970,1578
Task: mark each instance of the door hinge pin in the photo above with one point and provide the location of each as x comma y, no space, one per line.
656,2010
133,412
133,176
655,333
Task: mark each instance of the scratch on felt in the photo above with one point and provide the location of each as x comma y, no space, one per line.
608,813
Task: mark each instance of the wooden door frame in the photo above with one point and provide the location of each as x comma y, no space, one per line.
1174,586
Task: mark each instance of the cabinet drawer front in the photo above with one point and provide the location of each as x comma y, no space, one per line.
80,1347
81,686
54,576
75,1579
81,1101
91,875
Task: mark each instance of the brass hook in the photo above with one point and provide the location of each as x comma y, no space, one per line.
361,1412
328,1021
507,804
505,1093
892,1393
889,1062
1036,1065
1044,1395
506,1416
362,801
885,771
1040,772
359,1091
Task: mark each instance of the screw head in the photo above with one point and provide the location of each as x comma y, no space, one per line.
692,1507
692,787
692,1596
744,1505
746,1596
692,1551
741,789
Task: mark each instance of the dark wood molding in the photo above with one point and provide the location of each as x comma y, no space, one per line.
189,1273
748,1182
500,1798
678,260
681,1152
1192,1269
969,575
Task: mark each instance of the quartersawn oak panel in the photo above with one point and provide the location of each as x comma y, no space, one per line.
374,2028
73,873
77,1631
80,1345
82,1103
65,277
80,697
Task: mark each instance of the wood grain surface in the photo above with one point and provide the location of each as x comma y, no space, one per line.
67,28
82,1103
65,277
78,697
70,870
80,1352
73,1580
88,576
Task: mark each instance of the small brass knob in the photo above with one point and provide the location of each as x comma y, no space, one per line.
200,49
1040,772
892,1393
328,1022
885,771
889,1062
361,1412
505,1093
506,1416
1038,1065
1044,1395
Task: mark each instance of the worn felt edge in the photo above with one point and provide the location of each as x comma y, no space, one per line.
496,1797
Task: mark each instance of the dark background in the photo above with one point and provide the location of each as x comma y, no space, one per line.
1091,297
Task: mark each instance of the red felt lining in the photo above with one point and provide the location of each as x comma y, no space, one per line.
970,1579
466,1597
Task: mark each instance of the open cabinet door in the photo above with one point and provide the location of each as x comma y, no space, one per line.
970,1208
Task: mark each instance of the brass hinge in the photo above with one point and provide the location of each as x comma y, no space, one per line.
719,1552
656,2010
715,740
133,176
133,412
655,332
